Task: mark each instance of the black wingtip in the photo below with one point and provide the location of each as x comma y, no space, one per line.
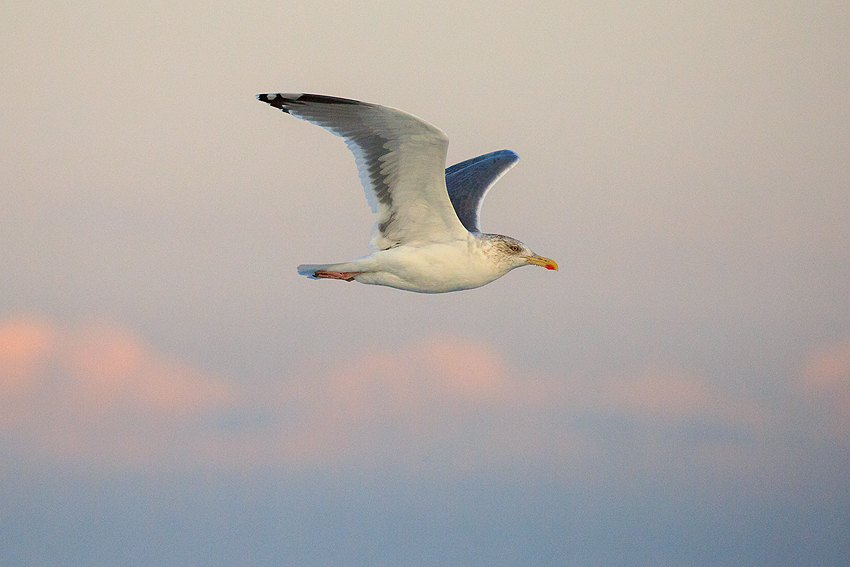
325,99
276,100
285,102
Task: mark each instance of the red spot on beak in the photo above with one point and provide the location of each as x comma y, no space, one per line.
550,267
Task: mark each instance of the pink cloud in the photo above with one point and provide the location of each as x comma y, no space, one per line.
95,392
24,343
25,347
669,396
460,401
824,382
827,369
113,365
99,393
406,403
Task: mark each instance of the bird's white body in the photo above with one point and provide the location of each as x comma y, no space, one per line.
430,268
427,238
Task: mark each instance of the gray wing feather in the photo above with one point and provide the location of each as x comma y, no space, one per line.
468,182
400,159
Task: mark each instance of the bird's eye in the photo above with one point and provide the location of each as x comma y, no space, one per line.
515,248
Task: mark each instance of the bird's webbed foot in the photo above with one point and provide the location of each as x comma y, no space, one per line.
347,276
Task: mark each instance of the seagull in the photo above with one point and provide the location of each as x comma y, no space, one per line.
427,238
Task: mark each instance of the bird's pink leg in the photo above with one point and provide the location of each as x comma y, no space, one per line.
347,276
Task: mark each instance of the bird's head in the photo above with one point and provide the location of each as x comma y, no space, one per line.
513,253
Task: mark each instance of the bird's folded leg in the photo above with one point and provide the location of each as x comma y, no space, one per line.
347,276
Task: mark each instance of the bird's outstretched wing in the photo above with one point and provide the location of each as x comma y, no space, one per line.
468,182
400,159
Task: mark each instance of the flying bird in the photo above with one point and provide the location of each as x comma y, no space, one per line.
427,238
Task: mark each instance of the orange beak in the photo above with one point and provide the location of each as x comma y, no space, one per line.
543,262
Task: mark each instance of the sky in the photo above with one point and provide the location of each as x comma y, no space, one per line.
173,393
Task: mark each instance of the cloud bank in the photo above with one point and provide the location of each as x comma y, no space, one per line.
97,395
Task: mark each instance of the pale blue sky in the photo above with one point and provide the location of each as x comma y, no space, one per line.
172,392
